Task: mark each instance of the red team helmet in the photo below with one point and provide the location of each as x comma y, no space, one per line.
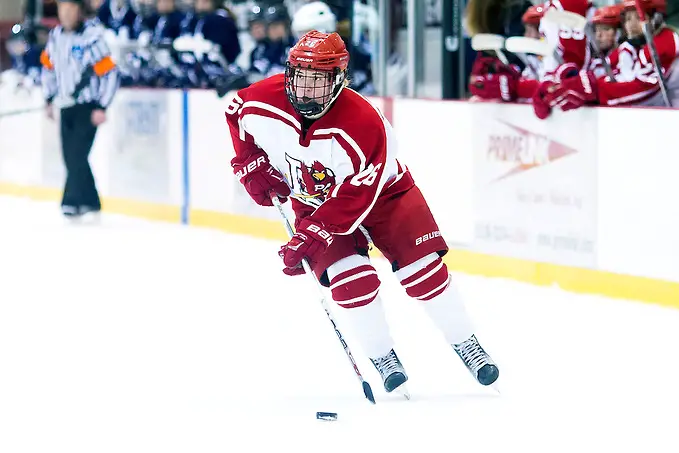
648,6
608,15
533,15
315,72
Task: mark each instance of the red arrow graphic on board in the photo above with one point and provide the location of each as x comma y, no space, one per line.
526,149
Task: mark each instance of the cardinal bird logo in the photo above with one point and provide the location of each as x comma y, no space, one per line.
317,180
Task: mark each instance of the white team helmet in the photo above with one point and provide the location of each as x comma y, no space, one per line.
313,16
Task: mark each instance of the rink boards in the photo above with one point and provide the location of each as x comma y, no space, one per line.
586,199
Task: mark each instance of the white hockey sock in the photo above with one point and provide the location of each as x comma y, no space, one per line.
427,281
354,285
448,312
370,328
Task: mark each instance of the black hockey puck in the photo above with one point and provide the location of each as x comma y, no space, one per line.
327,416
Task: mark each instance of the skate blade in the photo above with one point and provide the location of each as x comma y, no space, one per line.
403,391
495,387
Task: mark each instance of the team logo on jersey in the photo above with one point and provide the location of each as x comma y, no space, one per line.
309,183
317,180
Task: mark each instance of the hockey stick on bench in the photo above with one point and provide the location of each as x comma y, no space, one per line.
648,34
520,46
367,390
490,43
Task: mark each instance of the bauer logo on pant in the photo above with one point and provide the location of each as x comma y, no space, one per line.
426,237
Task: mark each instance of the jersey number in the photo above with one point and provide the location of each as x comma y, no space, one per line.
234,105
367,177
569,33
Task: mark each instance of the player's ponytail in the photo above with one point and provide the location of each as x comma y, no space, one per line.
477,15
491,16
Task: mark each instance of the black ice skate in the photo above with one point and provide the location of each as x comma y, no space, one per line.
392,372
477,361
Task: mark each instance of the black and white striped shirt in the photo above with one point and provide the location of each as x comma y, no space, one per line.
72,56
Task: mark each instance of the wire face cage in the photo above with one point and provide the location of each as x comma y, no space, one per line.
311,91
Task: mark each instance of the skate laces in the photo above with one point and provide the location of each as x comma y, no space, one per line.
388,364
472,353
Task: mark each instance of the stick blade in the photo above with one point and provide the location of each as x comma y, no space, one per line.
487,41
368,392
521,44
565,18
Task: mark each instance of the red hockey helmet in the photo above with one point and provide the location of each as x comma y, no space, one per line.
648,6
608,15
315,72
533,15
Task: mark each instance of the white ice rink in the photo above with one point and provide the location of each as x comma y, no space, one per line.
140,337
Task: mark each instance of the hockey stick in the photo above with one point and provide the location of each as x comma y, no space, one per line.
520,45
490,42
367,390
648,33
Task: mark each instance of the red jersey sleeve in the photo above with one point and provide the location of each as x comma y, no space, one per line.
243,143
526,88
349,202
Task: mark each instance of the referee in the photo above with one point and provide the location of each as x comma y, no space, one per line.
79,78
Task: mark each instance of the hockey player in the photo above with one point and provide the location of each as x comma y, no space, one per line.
156,28
606,21
119,16
636,81
163,24
279,41
215,25
304,135
24,49
531,22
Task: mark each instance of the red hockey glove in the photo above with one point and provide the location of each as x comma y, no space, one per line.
310,241
574,92
259,178
544,99
493,86
541,106
491,79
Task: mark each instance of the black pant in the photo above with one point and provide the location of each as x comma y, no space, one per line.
77,137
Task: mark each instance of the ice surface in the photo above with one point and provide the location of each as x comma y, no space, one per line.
134,336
